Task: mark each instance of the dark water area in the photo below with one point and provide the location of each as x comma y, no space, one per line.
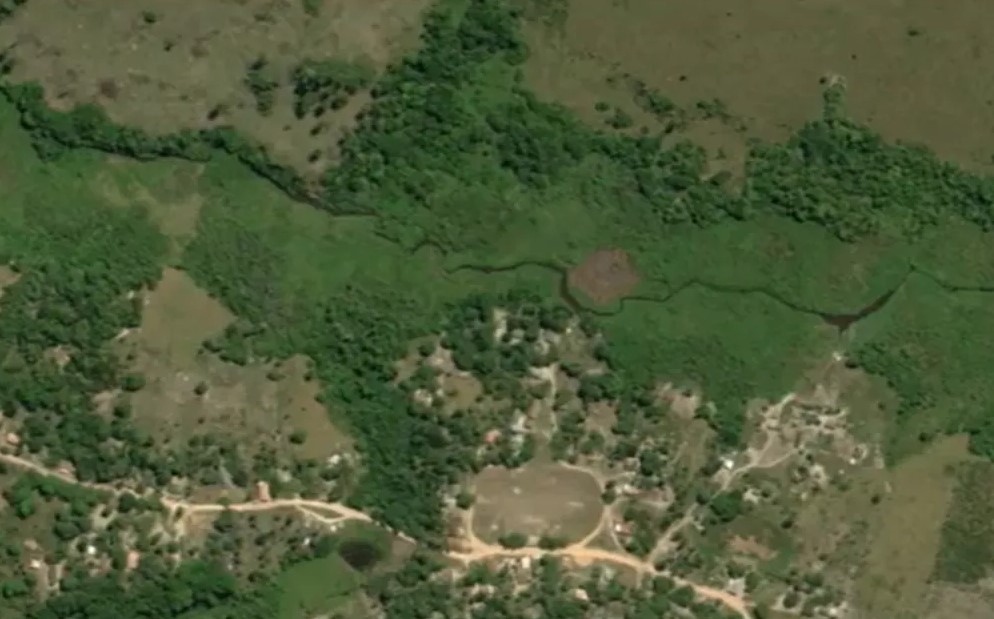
359,554
843,321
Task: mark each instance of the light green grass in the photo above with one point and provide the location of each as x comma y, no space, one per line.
317,586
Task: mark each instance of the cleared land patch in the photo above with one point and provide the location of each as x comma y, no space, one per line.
534,500
178,316
189,393
169,65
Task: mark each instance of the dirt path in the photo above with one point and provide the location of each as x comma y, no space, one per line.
756,461
479,550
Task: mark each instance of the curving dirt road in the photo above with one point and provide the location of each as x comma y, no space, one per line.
579,552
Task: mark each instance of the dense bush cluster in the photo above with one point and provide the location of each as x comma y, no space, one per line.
845,177
156,591
447,115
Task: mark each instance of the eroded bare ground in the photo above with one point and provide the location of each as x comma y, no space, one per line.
903,61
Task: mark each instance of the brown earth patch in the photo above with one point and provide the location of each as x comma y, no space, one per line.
7,277
604,275
534,500
750,546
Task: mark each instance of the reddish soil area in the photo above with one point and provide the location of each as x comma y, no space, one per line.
604,275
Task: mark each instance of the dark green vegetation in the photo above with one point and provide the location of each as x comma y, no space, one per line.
461,192
312,581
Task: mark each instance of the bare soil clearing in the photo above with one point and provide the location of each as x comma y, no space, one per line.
164,65
534,500
750,546
604,275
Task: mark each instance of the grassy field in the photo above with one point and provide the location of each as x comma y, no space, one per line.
755,59
326,585
258,405
164,65
893,579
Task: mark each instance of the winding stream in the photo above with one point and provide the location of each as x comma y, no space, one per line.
841,321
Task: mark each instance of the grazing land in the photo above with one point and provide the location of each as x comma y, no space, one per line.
167,65
756,60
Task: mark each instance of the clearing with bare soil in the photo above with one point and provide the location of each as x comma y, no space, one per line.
190,392
534,500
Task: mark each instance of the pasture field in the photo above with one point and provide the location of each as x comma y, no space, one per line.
189,393
895,575
165,65
965,554
765,62
325,585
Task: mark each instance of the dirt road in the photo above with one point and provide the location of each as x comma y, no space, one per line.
579,553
